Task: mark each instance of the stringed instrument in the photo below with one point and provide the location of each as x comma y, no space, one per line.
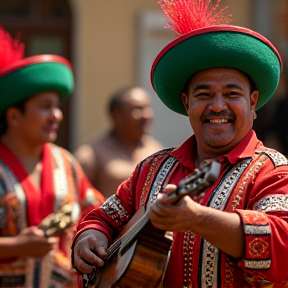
139,255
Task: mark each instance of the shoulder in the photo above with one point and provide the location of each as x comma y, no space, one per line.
160,155
150,141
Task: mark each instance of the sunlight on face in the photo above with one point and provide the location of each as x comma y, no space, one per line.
220,107
41,118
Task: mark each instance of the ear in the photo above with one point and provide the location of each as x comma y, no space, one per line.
185,101
254,99
13,116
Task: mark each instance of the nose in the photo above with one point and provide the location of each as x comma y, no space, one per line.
148,113
217,103
56,114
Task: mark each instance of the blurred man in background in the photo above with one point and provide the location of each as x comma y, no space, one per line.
110,160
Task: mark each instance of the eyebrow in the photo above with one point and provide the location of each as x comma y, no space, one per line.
201,87
207,87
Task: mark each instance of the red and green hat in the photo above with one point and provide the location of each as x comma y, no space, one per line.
205,44
21,78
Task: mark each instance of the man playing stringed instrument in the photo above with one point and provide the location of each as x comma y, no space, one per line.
235,234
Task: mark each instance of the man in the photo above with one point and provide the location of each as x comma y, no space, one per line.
39,181
110,160
235,233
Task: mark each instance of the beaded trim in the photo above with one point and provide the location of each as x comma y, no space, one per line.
254,264
219,201
188,245
59,179
251,229
272,203
276,157
115,210
155,161
160,177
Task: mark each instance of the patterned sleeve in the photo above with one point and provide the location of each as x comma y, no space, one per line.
265,225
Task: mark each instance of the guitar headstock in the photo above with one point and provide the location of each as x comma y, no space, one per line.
56,223
195,183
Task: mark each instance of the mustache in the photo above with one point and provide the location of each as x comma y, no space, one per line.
222,114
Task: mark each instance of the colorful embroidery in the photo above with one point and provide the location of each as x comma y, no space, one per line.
229,278
257,238
258,247
114,209
248,176
188,245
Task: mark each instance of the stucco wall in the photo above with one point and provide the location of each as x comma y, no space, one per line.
104,56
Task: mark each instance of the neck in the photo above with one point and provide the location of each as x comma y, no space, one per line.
25,152
201,157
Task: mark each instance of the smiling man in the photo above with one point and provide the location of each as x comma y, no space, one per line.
234,233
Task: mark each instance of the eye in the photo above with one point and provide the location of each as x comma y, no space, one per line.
202,94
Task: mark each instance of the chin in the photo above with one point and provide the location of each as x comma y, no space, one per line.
218,143
50,138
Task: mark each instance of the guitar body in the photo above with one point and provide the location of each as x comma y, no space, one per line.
141,264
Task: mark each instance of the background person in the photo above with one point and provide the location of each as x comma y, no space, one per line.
109,160
37,178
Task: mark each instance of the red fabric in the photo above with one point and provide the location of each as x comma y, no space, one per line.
269,180
39,201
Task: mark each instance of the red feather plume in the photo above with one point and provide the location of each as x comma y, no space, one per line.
11,50
184,16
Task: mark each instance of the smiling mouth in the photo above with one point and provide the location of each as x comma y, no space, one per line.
218,121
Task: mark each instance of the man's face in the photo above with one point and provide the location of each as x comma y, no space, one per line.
220,107
136,113
40,120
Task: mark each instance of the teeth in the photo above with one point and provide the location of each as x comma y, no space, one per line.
218,120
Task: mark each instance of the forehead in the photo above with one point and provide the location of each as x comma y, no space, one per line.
44,96
219,75
136,96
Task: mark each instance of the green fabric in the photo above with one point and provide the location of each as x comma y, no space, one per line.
33,79
211,50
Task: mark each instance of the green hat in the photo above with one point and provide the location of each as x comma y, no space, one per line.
29,76
214,47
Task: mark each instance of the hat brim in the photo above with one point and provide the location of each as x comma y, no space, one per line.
34,75
215,47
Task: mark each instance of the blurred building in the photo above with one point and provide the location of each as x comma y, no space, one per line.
113,43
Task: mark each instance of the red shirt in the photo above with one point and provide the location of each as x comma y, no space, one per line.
253,182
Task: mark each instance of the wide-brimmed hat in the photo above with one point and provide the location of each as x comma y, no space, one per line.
21,78
33,75
214,47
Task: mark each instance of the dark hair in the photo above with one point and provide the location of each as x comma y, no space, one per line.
253,86
116,98
3,121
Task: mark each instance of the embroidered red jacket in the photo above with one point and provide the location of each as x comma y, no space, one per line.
253,182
